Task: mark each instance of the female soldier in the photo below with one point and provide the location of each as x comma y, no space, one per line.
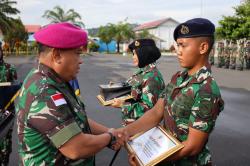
146,83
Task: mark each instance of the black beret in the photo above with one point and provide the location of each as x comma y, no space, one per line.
197,27
141,43
146,51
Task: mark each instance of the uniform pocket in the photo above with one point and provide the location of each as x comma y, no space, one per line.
181,107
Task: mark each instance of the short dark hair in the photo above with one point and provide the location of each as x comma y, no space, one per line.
147,55
210,41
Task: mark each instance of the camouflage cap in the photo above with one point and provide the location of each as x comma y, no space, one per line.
61,35
197,27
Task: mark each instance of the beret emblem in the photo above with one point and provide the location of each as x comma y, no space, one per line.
184,30
137,43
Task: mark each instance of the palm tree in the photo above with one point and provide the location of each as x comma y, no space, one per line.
6,10
59,15
122,32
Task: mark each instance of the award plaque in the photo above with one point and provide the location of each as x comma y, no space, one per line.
108,92
153,146
109,102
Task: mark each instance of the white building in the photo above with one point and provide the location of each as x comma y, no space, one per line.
162,30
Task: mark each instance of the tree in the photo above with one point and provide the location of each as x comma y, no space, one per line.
144,34
16,35
6,11
237,26
106,34
59,15
122,32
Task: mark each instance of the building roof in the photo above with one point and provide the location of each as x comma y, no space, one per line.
32,28
153,24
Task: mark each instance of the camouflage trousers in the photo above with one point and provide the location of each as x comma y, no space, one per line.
248,63
6,148
211,60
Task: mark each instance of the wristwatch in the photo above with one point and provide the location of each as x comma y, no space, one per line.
112,140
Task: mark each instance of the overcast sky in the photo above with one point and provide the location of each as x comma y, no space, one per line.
100,12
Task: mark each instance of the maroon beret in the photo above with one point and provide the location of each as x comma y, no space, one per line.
62,35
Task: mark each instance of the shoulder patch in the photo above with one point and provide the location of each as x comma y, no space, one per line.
58,99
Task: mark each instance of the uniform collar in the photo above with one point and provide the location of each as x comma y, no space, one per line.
51,74
147,68
202,74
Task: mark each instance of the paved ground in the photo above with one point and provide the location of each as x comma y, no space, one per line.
229,141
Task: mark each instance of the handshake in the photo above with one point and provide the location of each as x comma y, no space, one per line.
119,137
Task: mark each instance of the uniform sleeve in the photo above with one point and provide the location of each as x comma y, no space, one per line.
151,88
204,111
50,115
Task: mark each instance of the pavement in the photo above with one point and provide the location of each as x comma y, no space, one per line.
229,142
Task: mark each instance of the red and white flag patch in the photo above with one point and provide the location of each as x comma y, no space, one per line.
58,99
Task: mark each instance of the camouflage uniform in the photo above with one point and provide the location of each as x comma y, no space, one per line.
247,55
211,56
226,56
233,54
192,101
147,83
221,60
240,57
7,74
49,114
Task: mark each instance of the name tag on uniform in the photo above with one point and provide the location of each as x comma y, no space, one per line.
58,99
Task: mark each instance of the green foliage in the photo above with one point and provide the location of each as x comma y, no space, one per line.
16,34
106,34
93,47
59,15
122,32
7,10
237,26
144,34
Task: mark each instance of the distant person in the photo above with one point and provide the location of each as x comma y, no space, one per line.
75,85
7,74
146,83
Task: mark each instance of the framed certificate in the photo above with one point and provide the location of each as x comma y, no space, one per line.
109,102
153,146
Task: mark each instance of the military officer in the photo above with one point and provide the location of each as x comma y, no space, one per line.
75,85
247,54
233,54
226,55
240,56
7,74
211,56
192,100
53,128
146,83
220,54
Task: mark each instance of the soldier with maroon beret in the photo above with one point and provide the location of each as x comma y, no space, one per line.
53,128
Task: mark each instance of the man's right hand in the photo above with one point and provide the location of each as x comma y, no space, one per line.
121,137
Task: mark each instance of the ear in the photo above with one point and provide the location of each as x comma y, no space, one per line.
56,56
204,48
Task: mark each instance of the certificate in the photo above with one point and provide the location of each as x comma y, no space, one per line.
109,102
153,146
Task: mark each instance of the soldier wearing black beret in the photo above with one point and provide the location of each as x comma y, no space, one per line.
191,101
146,83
